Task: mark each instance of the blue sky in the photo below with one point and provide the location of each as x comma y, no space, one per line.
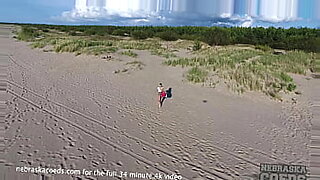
33,11
278,13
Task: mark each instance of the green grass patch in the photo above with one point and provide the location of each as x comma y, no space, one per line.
196,46
137,45
28,33
130,54
248,69
316,64
197,75
264,48
162,52
39,44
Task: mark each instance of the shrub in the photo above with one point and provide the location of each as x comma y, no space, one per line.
72,33
28,33
217,36
45,30
168,36
291,87
196,46
89,32
139,35
119,32
285,77
189,37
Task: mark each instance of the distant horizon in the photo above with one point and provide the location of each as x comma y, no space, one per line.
52,24
222,13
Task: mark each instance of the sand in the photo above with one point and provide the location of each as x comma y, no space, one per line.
75,112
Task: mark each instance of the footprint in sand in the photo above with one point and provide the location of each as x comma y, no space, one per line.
20,152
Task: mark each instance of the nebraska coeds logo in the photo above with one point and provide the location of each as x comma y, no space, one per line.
282,172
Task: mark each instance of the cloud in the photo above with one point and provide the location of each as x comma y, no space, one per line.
103,17
180,13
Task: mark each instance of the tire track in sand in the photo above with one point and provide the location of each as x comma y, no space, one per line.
202,142
108,142
259,153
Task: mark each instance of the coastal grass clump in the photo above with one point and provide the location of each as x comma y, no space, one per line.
196,46
316,66
197,75
93,46
77,46
249,69
28,33
264,48
219,60
129,53
162,52
39,44
315,63
97,50
137,45
73,45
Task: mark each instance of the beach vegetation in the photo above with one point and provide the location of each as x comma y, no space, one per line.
168,36
315,63
97,50
139,35
217,36
130,53
305,39
197,75
264,48
249,69
163,53
119,32
28,33
264,60
196,46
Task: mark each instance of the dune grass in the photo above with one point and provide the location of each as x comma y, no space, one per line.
162,52
137,44
73,45
90,44
197,75
249,69
316,63
80,45
93,44
97,50
28,33
129,53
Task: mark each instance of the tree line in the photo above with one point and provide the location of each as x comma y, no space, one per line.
305,39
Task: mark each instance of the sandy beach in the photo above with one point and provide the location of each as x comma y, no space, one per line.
75,112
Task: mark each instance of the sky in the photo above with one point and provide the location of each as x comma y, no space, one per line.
244,13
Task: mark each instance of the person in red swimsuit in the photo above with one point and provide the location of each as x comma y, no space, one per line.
162,94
